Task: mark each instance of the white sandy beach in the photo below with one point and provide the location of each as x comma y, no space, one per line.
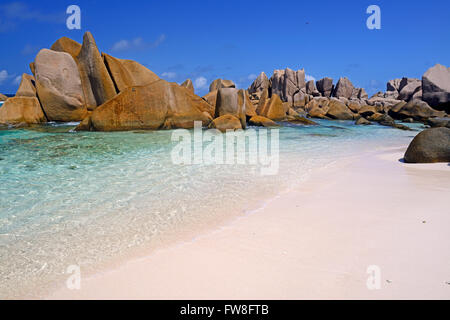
315,242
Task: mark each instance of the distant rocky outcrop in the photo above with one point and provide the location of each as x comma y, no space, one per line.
289,85
436,87
220,83
431,145
3,97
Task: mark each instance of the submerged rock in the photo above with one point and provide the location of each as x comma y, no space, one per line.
429,146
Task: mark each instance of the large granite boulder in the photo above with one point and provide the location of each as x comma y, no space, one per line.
97,84
67,45
27,87
325,87
120,75
318,107
250,109
393,85
344,88
311,89
261,121
339,111
20,110
159,105
287,83
429,146
231,101
188,85
226,122
438,122
58,86
409,88
141,75
274,109
436,87
259,85
221,83
416,109
3,97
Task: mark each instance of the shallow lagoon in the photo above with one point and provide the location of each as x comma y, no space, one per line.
87,198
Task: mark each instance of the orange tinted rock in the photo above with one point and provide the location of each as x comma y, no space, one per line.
22,110
141,75
120,75
226,122
188,85
261,121
98,86
27,87
275,109
67,45
160,105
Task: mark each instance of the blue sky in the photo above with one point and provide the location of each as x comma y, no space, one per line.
205,40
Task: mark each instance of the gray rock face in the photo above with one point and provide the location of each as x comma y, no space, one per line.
409,88
97,84
311,89
287,83
260,84
393,85
344,88
325,87
436,87
231,101
429,146
220,83
59,87
416,109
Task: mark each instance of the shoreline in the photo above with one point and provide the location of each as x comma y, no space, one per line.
233,260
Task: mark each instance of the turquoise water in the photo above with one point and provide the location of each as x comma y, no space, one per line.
87,198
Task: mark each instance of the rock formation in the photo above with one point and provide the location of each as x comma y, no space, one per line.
159,105
436,87
58,86
188,84
431,145
220,83
19,110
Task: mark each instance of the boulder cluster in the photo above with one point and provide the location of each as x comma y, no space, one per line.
410,100
73,82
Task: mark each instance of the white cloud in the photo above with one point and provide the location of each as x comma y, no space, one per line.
169,75
252,77
137,44
200,83
309,78
17,80
3,76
